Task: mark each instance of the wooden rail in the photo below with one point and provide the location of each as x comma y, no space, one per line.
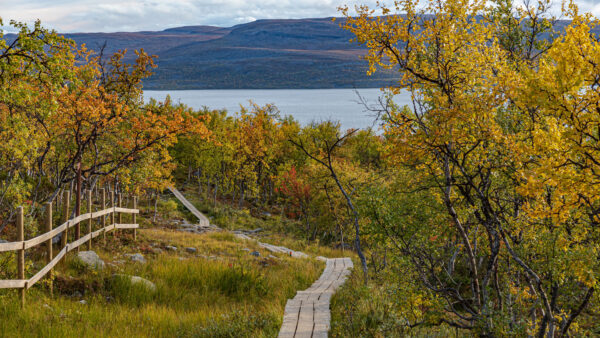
21,244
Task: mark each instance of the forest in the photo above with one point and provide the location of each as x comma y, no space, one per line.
476,208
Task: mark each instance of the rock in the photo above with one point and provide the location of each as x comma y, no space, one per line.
83,301
156,251
138,257
255,253
321,258
91,259
136,280
170,247
191,250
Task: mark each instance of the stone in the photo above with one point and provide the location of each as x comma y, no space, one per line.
191,250
138,257
255,253
157,251
83,301
91,259
171,248
136,280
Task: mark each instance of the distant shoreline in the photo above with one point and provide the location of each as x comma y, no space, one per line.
215,89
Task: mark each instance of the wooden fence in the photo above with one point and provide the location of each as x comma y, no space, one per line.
115,216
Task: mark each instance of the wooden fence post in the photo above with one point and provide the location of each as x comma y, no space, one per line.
104,216
134,218
112,214
120,206
65,234
49,243
77,213
89,227
21,252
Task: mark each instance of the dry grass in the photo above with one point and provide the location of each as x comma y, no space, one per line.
219,291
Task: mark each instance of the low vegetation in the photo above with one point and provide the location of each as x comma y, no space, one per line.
220,290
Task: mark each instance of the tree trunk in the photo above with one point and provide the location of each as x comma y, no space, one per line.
215,193
357,245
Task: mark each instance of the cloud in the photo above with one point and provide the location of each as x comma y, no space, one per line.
128,15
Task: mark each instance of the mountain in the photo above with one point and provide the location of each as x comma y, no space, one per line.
304,53
301,53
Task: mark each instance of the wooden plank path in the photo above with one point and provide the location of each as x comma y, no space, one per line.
274,248
202,220
307,314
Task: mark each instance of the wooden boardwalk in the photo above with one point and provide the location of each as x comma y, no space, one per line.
308,315
202,220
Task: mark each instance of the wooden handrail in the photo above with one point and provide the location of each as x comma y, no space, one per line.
18,283
22,245
14,246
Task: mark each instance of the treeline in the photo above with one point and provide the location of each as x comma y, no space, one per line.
260,160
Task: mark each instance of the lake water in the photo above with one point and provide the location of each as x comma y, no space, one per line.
305,105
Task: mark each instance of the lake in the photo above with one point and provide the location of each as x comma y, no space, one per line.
305,105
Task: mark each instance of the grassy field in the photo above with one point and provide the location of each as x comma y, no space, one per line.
218,291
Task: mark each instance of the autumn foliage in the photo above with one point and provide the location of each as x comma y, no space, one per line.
500,153
63,107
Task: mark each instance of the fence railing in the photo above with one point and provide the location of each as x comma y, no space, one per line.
115,219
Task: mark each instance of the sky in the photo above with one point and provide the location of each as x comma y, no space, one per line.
67,16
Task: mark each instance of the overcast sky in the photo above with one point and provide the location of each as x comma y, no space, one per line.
134,15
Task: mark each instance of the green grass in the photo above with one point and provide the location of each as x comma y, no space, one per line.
219,291
231,294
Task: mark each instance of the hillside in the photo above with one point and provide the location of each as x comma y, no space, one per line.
264,54
305,53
